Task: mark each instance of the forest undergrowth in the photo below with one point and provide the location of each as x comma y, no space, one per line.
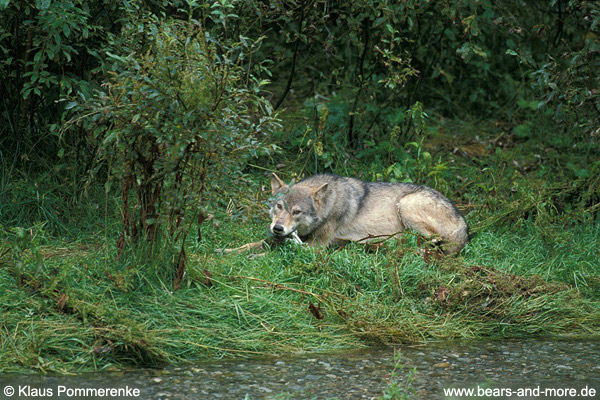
72,302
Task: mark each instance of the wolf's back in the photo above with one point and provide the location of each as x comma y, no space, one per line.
345,196
355,210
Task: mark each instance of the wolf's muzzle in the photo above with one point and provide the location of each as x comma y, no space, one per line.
278,230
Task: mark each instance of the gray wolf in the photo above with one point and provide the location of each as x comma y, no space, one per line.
326,209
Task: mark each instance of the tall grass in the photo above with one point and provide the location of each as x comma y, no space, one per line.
73,308
68,305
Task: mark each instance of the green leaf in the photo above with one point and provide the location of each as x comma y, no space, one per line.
116,57
479,51
4,3
522,131
531,104
43,4
109,138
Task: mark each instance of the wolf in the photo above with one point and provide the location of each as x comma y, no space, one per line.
326,209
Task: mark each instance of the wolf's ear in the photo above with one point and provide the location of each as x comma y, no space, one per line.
276,184
320,192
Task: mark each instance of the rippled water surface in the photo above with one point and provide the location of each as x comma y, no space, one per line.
362,374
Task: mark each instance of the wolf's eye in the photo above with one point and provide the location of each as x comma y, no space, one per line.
279,206
296,212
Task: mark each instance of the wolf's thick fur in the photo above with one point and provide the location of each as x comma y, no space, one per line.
323,209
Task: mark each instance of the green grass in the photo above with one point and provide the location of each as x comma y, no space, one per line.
531,268
76,309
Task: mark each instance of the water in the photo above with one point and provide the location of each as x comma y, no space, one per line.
531,365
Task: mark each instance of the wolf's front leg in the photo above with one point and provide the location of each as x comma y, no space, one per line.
322,236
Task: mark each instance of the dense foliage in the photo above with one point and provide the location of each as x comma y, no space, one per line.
178,118
367,62
172,99
135,137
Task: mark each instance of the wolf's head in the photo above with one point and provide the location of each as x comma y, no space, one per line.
295,208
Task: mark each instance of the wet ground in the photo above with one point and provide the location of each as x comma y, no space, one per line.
502,369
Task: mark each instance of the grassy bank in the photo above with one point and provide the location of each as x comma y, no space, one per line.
75,309
531,269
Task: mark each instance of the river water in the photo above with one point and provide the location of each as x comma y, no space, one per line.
496,369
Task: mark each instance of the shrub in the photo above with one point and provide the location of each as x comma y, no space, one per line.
175,122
